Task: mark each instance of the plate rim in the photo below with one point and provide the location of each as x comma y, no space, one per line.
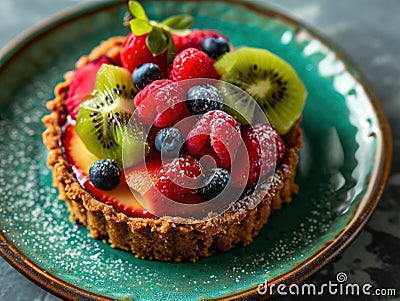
302,271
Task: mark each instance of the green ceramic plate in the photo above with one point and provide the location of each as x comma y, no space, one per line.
342,170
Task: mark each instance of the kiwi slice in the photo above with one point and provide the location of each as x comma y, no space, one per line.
238,103
270,80
103,121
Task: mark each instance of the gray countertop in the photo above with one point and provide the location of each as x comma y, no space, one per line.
368,31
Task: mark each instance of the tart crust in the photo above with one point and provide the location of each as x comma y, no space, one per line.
160,238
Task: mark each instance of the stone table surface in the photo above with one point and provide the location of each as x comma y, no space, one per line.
368,31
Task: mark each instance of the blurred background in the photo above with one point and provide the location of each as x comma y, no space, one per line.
368,32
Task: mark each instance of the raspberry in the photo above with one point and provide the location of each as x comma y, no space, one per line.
194,39
161,103
264,149
82,84
247,164
192,63
216,134
134,52
178,177
269,138
174,178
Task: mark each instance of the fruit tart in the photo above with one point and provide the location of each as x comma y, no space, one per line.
173,144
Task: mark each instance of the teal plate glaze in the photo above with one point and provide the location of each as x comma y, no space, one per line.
343,166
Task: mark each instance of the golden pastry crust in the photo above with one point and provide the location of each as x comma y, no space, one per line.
159,238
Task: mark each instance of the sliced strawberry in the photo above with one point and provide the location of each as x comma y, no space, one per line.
82,84
81,159
134,52
264,148
141,177
192,63
216,134
161,103
194,39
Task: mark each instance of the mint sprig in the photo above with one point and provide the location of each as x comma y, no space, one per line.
157,41
159,37
137,10
140,27
178,22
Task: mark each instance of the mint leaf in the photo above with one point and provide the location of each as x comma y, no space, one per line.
180,32
157,40
179,22
140,27
171,49
137,10
159,37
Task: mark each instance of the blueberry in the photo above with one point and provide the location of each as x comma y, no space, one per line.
204,98
215,47
213,182
145,74
169,142
105,174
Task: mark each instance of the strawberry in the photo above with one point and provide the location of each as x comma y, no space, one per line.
174,178
264,148
216,134
192,63
82,84
161,103
134,52
194,39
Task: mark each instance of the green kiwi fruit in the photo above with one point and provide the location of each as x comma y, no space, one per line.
103,121
238,103
270,80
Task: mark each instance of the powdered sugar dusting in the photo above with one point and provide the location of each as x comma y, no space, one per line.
37,223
